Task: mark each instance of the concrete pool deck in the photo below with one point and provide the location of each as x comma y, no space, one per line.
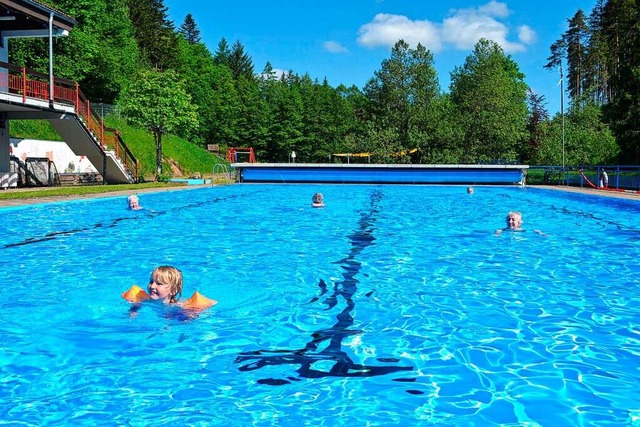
52,199
125,193
628,194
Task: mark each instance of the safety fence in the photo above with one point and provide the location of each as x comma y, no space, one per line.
618,177
107,110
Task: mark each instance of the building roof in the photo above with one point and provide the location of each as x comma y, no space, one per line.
17,15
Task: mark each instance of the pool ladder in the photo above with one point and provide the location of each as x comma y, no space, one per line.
221,174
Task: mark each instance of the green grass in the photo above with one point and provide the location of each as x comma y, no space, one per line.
81,190
33,129
187,156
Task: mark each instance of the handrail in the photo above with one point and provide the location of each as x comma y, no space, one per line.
68,92
232,154
224,170
123,152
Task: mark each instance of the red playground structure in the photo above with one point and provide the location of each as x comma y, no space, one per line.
232,154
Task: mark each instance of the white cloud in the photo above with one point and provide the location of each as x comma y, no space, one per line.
276,73
467,26
494,8
460,30
386,30
526,35
334,47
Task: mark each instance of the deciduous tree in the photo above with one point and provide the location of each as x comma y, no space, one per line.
159,102
489,93
400,95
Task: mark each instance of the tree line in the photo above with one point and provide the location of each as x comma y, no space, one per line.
128,52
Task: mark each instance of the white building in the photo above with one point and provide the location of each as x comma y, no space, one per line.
56,151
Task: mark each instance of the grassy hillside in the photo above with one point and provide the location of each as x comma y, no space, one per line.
177,151
33,129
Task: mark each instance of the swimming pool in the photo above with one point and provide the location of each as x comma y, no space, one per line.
393,305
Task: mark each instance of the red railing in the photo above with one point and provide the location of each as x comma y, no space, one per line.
32,84
232,154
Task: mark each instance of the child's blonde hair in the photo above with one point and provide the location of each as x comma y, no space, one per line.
171,277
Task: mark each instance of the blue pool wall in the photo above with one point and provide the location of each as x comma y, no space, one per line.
379,173
192,181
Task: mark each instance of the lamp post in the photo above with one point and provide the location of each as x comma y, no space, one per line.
562,111
51,97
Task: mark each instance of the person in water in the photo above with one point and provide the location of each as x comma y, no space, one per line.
165,284
317,201
134,202
514,223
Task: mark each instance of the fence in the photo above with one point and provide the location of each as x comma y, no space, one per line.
106,110
619,177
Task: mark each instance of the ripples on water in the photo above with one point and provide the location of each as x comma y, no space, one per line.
393,305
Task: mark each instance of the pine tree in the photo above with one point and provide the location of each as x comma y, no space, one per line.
154,32
189,30
223,53
576,38
240,62
622,35
596,79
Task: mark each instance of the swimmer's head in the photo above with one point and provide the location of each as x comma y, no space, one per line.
134,202
165,284
514,220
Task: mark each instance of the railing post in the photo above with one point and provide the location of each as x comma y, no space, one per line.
102,131
24,84
117,143
52,95
77,103
104,168
581,178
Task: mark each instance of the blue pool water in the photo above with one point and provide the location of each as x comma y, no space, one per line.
393,305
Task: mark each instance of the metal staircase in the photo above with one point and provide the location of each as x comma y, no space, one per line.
25,94
84,143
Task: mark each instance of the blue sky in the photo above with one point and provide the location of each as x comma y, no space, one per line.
346,41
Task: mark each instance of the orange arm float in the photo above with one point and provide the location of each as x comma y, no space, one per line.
198,302
135,294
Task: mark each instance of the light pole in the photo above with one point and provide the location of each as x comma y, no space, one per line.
562,111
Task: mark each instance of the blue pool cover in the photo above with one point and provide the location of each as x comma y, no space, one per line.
380,174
